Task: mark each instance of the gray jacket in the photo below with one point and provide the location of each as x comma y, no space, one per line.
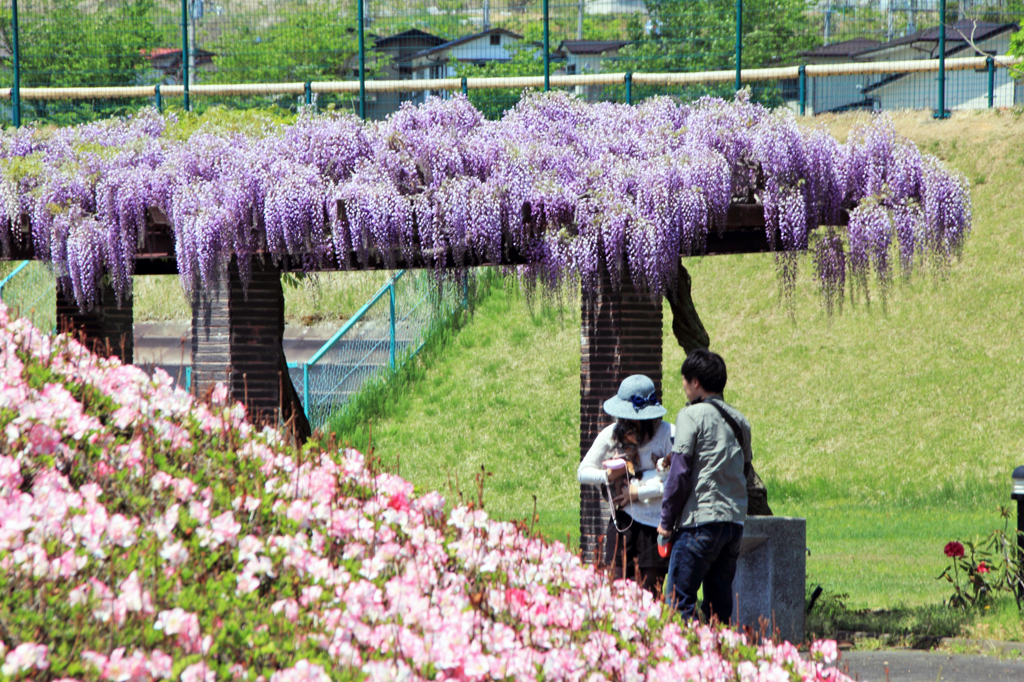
706,482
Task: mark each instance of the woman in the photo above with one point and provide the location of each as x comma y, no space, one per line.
643,440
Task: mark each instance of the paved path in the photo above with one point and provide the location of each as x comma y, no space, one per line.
170,343
929,666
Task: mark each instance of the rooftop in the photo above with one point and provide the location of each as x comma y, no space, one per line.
465,39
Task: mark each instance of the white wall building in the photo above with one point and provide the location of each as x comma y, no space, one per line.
478,49
916,90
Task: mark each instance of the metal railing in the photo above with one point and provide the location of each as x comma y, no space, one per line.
388,330
373,56
800,74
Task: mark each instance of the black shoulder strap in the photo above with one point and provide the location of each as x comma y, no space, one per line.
736,430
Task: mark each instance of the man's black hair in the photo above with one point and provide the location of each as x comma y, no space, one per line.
706,367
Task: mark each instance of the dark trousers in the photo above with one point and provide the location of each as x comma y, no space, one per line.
705,554
633,553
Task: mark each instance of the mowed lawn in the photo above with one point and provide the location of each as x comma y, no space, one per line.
893,428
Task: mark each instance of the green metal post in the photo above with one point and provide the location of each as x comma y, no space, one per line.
803,90
739,43
391,295
547,50
184,50
629,87
159,99
990,62
309,93
941,113
362,62
16,59
465,87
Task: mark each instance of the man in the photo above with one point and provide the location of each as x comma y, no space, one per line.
705,497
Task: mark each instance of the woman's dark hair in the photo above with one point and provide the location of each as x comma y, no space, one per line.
706,367
646,428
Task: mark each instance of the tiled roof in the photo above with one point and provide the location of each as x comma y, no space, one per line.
464,39
846,48
591,46
957,35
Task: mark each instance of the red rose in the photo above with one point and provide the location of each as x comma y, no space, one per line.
982,568
954,550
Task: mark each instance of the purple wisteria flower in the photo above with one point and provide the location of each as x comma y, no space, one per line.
570,189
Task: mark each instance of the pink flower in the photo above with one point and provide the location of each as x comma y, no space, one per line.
95,659
10,475
161,480
304,671
310,595
183,624
26,656
43,439
135,599
249,547
174,553
219,395
826,650
171,622
121,531
198,672
246,502
289,606
399,502
954,550
160,664
184,488
225,530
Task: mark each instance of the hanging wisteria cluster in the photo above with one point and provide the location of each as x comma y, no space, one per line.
566,187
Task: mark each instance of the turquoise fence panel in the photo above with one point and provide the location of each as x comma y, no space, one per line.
388,330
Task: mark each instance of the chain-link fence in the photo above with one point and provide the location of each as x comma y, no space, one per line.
27,289
333,52
388,330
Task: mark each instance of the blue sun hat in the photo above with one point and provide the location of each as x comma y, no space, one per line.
636,399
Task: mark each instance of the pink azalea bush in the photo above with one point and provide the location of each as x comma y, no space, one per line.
146,536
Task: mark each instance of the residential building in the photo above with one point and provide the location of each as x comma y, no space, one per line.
588,57
965,89
478,49
398,51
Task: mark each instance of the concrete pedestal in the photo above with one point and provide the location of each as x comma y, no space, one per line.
771,576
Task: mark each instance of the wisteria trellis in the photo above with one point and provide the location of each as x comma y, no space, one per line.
568,186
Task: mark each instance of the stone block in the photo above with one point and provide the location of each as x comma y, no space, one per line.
771,576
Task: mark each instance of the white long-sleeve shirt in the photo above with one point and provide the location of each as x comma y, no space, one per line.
647,508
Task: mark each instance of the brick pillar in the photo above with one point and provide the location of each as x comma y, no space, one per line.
621,335
106,329
236,338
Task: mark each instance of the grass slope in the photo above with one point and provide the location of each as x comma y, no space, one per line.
892,429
